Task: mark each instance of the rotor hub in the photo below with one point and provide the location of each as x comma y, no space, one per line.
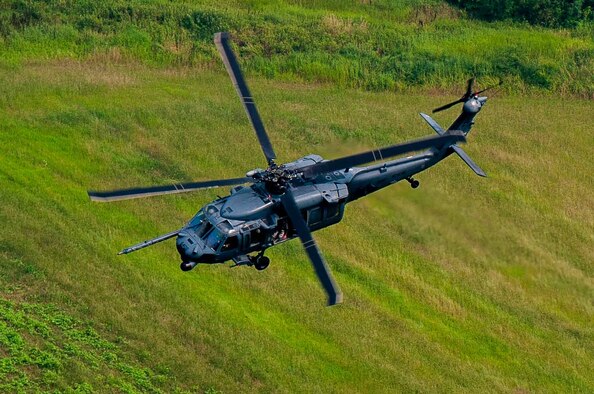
276,178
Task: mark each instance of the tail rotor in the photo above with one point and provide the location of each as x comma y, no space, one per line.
467,95
472,105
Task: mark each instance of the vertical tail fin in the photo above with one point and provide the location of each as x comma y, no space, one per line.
455,148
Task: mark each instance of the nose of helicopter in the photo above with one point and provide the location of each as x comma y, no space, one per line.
189,248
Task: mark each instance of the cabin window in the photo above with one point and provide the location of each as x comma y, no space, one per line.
314,216
230,243
257,236
332,211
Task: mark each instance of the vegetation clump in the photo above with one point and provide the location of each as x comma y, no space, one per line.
549,13
43,348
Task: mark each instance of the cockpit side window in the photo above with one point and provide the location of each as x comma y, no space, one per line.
231,243
257,236
213,240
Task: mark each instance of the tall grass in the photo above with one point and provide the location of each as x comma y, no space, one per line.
374,46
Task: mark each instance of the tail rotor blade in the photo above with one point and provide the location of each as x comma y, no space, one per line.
490,87
444,107
311,248
468,94
232,65
469,88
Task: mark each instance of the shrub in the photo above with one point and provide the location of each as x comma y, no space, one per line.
549,13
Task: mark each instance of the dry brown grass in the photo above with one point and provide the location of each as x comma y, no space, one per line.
337,25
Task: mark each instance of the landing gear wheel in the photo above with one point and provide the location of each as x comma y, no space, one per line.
262,263
413,182
187,265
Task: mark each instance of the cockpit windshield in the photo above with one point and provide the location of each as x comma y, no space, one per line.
214,237
197,220
200,224
204,228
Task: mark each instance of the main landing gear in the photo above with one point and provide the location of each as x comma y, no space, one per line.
260,262
413,182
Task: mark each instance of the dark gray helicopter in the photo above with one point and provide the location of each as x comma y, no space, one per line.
291,200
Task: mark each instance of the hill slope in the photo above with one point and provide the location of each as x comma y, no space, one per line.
376,45
464,283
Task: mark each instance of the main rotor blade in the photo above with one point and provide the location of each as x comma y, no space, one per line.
443,107
222,42
127,194
382,154
311,248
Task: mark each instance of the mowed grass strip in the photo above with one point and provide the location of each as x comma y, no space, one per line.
465,283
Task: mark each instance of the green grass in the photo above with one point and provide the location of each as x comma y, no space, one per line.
384,45
465,284
44,348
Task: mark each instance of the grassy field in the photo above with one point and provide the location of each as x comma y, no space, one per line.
465,284
379,45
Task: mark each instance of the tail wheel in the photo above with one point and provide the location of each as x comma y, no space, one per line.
262,263
413,182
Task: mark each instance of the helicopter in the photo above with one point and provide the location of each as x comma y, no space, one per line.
270,206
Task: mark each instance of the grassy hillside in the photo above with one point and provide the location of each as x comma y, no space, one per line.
376,45
463,284
43,347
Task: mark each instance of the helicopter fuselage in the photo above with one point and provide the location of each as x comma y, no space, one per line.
251,219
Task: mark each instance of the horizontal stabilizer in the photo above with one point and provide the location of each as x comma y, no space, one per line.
439,130
434,125
468,160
